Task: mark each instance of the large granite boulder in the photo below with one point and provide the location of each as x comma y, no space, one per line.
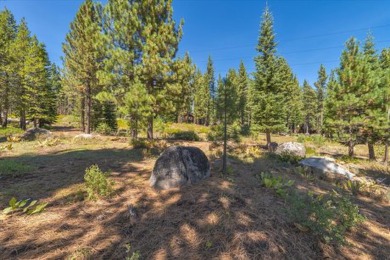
34,133
179,165
326,166
292,149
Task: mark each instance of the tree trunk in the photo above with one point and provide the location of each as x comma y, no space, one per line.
5,118
22,122
350,148
307,128
82,115
371,151
268,136
150,128
35,122
386,157
88,105
224,135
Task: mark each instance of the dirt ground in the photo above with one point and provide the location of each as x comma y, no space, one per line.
223,217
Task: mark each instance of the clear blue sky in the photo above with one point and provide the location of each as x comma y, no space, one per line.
309,32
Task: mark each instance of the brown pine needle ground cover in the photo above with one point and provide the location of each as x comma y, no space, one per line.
224,217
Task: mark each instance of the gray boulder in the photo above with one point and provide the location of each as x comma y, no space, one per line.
34,133
326,166
179,165
291,148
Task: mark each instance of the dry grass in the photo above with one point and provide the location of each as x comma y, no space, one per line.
224,217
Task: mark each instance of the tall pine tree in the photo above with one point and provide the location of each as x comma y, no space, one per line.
320,85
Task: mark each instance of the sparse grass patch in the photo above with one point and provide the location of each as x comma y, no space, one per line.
276,183
328,217
13,168
97,183
9,131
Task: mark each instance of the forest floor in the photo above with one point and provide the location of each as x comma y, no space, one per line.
223,217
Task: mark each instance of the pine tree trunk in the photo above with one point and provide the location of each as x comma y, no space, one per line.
1,117
22,122
268,136
5,118
150,128
88,109
82,114
350,148
35,122
386,157
371,151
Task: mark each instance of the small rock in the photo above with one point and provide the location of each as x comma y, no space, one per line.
34,133
325,165
291,148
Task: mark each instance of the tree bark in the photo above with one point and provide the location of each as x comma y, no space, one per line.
82,114
371,151
268,136
350,148
22,122
386,157
150,128
224,167
88,109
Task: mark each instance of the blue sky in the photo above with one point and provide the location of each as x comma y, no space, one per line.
308,32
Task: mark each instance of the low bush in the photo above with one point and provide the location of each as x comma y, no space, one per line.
216,133
97,182
9,131
104,129
184,135
276,183
290,158
328,217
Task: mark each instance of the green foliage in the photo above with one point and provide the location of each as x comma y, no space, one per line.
104,129
276,183
8,131
329,217
26,206
97,182
289,158
216,133
309,107
184,135
316,139
132,256
13,168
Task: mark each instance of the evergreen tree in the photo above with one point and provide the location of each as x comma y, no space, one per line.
268,103
320,85
227,97
160,37
210,80
7,36
374,96
309,105
83,57
242,92
20,55
347,102
201,98
385,88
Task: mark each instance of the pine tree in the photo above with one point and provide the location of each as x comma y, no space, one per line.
227,97
347,102
160,37
20,54
210,80
320,85
83,57
373,97
201,98
7,36
309,105
268,112
242,92
385,88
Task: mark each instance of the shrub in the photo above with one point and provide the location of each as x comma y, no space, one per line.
276,183
289,158
217,133
184,135
104,129
9,131
97,182
328,217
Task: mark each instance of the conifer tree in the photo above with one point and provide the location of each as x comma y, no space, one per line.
347,100
309,105
20,55
320,85
373,97
210,80
201,98
83,57
160,37
268,112
242,92
385,88
7,36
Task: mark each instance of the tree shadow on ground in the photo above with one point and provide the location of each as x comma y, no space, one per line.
224,217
